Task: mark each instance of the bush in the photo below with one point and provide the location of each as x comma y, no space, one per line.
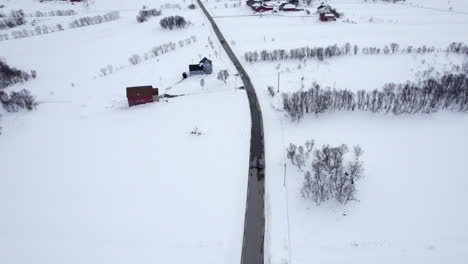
135,59
173,22
192,6
145,14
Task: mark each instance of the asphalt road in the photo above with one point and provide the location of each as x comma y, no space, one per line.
254,223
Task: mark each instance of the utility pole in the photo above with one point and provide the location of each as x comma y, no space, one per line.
235,82
278,81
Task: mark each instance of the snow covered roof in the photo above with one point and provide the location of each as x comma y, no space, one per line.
289,6
329,15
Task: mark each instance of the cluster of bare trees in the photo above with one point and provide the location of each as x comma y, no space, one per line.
17,100
170,6
450,92
16,18
322,53
331,175
88,21
145,14
173,22
153,53
10,75
161,49
69,12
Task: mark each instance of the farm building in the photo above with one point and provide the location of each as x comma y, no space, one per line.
141,95
205,66
327,13
325,17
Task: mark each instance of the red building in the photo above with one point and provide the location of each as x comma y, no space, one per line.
325,17
141,95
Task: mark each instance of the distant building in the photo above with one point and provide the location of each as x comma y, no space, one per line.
289,7
325,17
141,95
205,66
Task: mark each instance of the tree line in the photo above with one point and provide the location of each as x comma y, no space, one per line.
69,12
38,30
88,21
321,53
153,53
450,92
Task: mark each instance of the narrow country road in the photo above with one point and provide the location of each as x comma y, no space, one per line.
254,223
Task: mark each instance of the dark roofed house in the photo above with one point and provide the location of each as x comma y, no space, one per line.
142,95
205,66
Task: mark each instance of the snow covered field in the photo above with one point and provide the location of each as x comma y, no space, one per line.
85,179
412,199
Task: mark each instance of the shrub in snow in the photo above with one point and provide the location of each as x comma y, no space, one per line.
450,92
173,22
135,59
192,6
196,132
223,75
271,90
202,83
331,175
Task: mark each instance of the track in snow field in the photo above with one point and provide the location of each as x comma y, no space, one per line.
254,223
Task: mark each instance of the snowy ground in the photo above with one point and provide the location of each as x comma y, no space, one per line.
412,198
85,179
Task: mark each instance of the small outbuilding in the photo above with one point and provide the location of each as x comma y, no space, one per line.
141,95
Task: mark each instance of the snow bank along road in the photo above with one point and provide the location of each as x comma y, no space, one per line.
254,225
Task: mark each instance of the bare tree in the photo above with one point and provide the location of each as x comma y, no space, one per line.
135,59
223,75
202,83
